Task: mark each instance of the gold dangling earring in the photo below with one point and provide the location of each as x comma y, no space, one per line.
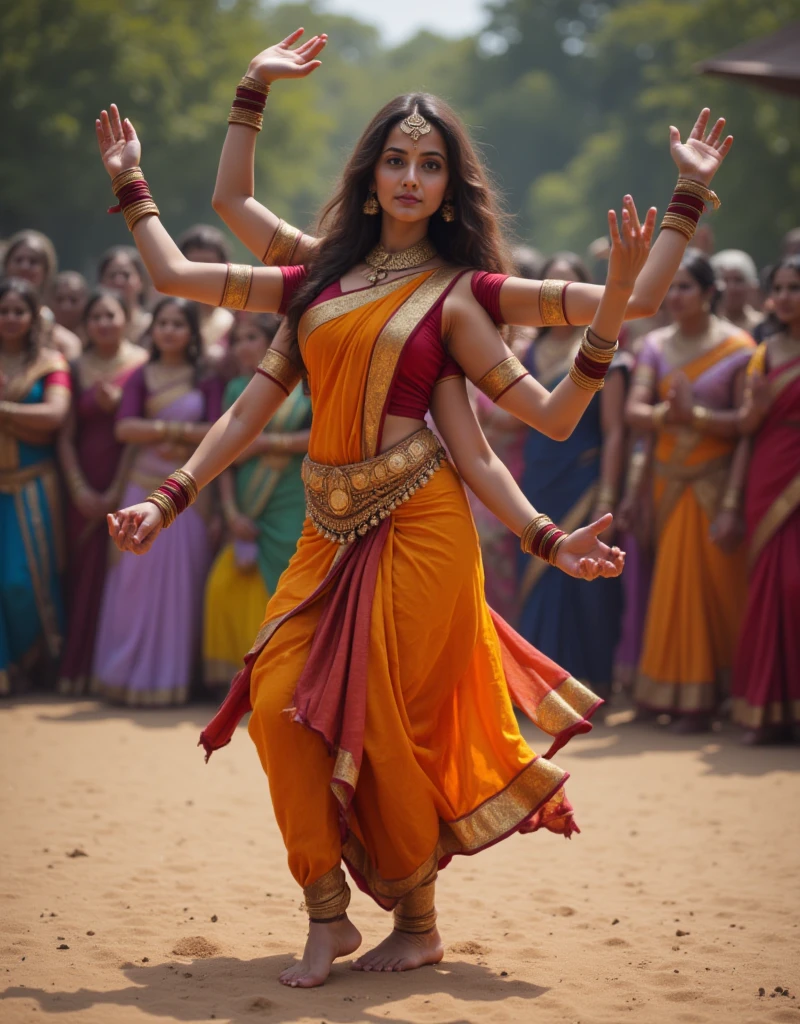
448,211
371,206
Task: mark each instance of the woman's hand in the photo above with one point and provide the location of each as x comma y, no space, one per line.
136,527
680,401
629,245
243,528
727,530
119,145
281,61
756,403
586,557
701,156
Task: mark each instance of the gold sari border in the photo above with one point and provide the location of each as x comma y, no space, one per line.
536,785
773,519
753,716
389,347
675,697
117,694
323,312
569,705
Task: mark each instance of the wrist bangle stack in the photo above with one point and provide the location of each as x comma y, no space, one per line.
700,416
133,196
591,364
248,106
541,537
686,206
659,415
174,496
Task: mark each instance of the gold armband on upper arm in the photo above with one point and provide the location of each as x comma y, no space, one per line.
280,369
501,377
552,296
237,286
280,251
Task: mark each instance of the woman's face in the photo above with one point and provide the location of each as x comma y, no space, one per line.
69,299
785,295
411,180
120,275
560,270
105,324
28,263
171,331
16,320
685,298
737,290
249,347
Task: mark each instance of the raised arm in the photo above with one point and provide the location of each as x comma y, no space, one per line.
268,237
698,160
215,284
489,364
581,554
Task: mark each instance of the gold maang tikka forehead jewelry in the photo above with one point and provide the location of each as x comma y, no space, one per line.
415,125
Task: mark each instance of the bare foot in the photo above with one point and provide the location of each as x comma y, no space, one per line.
325,943
403,951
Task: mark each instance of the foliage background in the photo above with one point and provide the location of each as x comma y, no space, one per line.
570,101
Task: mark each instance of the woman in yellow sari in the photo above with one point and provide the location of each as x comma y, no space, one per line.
427,761
688,387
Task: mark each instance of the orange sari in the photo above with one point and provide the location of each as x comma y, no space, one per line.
403,673
698,590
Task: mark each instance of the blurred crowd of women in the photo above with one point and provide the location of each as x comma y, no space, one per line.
693,444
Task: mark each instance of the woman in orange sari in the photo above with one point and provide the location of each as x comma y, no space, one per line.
426,762
687,389
766,678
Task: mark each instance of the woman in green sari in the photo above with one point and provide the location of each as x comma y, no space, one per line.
263,502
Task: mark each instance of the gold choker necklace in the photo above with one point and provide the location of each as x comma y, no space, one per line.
382,262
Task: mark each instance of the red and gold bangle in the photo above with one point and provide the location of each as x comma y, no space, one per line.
133,196
541,537
280,369
249,103
500,378
552,302
174,496
591,364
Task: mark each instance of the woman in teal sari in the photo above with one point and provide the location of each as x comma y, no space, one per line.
264,506
34,402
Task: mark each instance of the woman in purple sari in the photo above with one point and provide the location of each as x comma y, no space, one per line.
94,468
149,633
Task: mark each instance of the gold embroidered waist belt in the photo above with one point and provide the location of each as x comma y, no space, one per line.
13,480
344,502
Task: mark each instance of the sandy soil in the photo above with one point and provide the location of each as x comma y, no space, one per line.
140,885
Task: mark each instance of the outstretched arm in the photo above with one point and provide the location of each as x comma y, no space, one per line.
478,348
251,222
171,272
135,528
698,159
581,554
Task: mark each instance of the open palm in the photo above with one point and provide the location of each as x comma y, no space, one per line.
701,156
586,557
119,144
281,61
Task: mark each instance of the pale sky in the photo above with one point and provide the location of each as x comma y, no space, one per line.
399,20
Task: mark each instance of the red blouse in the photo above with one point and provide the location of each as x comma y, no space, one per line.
425,361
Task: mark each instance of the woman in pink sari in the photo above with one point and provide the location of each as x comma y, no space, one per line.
94,468
766,681
148,638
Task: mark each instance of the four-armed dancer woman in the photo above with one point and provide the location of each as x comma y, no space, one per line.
382,686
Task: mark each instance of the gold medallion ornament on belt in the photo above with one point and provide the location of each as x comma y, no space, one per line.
345,502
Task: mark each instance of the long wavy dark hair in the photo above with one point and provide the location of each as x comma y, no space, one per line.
25,291
476,238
